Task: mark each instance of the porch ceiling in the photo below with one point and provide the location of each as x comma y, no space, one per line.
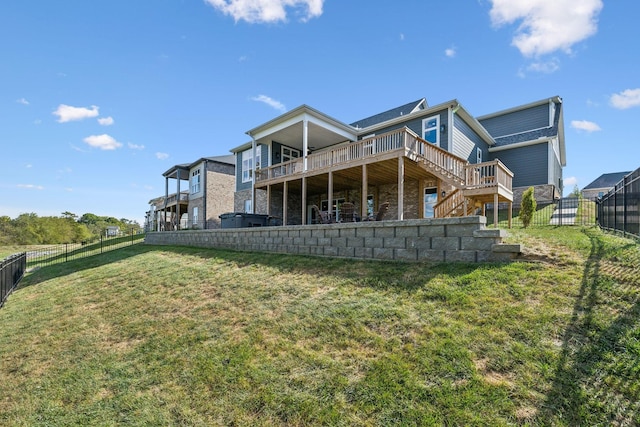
318,137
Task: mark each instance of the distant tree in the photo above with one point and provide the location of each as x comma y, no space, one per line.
69,215
576,192
527,207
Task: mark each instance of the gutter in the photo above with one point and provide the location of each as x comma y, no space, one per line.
520,144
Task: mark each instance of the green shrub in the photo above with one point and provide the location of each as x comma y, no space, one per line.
527,207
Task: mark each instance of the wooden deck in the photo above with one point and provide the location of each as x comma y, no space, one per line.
385,156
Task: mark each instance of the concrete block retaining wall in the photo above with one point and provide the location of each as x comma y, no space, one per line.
440,240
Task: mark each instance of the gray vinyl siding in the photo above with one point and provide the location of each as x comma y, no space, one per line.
466,141
262,154
528,164
415,125
518,121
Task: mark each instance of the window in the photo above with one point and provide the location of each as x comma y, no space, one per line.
430,200
431,130
247,165
478,155
194,217
195,181
289,154
247,206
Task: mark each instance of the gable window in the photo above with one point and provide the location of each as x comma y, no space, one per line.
430,130
195,181
247,165
478,155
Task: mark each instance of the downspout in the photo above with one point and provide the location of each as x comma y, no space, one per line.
204,196
253,175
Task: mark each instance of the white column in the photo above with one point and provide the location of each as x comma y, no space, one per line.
401,188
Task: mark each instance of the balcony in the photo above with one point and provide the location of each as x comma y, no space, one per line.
480,182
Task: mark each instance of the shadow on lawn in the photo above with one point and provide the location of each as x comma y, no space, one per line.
589,386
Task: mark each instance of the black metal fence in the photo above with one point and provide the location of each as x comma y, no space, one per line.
558,212
55,254
12,270
619,209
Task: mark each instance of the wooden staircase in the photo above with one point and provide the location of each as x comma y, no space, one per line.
475,184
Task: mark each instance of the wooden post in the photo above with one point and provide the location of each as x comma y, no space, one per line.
365,190
304,200
330,196
284,203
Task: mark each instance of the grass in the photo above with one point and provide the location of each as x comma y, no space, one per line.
186,336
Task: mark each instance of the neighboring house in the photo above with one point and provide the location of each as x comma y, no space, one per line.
426,161
601,185
210,183
112,231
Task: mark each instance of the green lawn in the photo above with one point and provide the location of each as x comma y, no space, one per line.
185,336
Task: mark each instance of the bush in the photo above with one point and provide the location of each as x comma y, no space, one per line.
527,207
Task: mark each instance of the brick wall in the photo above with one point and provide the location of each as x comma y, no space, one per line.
440,240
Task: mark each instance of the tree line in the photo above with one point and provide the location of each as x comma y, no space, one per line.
30,229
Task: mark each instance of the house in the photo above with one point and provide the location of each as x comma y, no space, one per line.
210,183
112,231
424,161
603,184
529,140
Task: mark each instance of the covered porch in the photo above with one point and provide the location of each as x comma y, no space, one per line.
418,179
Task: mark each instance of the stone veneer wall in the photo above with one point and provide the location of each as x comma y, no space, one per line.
462,239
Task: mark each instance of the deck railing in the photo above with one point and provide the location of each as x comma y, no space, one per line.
184,197
402,139
488,174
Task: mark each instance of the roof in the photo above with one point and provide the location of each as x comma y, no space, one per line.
402,110
229,159
607,180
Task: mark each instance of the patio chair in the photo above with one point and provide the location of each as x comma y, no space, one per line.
382,211
348,212
319,216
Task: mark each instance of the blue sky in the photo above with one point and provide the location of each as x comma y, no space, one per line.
99,98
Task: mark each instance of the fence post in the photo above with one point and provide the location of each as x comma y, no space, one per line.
66,252
100,244
624,206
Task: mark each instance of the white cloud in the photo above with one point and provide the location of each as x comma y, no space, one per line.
547,26
546,67
570,182
626,99
259,11
270,102
450,52
106,121
67,113
103,142
31,186
585,125
162,156
135,146
22,101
